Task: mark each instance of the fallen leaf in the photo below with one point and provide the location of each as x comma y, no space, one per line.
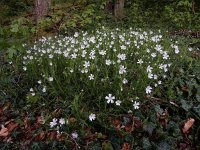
40,136
52,135
137,122
11,126
26,122
129,128
163,117
72,120
40,120
188,125
126,146
4,132
117,124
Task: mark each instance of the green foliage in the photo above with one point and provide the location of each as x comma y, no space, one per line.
177,14
14,35
157,124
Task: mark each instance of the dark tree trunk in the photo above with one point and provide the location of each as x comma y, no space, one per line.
41,8
119,9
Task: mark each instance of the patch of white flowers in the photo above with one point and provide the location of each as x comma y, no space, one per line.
120,61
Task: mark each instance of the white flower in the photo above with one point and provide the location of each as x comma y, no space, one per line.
190,49
84,52
92,117
50,56
39,82
92,55
149,69
155,76
122,69
31,89
74,55
136,105
91,77
44,89
165,55
74,135
110,98
161,66
123,47
176,50
62,121
125,81
130,111
24,68
102,52
150,75
86,64
76,34
118,102
108,62
140,61
153,55
53,123
71,70
31,57
33,94
122,56
148,89
50,79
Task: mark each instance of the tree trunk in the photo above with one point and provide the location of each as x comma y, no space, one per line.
41,8
118,9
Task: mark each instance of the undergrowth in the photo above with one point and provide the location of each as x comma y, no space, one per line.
108,88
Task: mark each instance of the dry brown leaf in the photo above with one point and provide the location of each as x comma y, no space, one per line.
126,146
40,120
117,124
188,125
52,135
11,126
4,132
163,117
72,120
129,128
40,136
26,122
137,122
7,122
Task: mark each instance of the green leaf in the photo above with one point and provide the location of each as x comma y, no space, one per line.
146,143
186,105
94,145
14,28
149,127
107,146
197,110
164,146
11,52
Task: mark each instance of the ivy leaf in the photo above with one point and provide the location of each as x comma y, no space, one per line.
146,143
186,105
11,52
149,127
163,146
197,110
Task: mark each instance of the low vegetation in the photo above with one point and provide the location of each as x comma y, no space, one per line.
100,85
